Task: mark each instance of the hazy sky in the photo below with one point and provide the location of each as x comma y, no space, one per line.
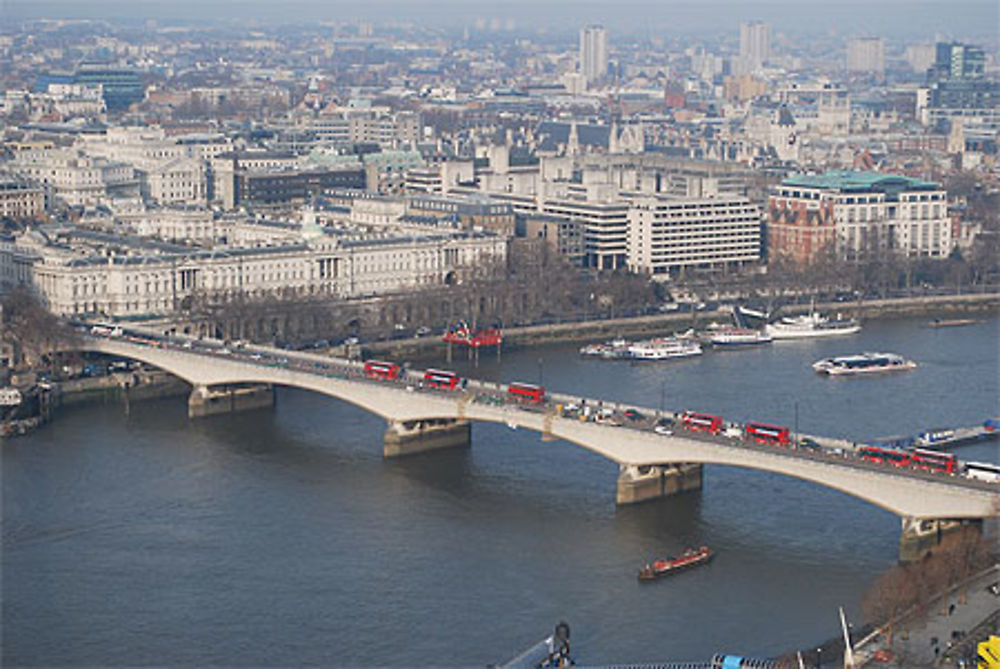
890,18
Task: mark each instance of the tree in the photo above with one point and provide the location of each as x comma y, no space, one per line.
34,331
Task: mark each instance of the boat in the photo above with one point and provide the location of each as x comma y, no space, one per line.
810,325
671,565
951,323
739,337
664,349
617,348
864,363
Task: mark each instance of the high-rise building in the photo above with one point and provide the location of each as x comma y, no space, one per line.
593,53
866,54
755,44
953,60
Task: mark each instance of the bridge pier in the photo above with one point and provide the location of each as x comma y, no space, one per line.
428,434
214,400
640,484
920,536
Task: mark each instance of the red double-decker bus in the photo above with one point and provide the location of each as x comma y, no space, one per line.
701,422
525,392
378,369
439,378
767,434
884,455
934,461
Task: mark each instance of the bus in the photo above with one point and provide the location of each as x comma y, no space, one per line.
767,434
701,422
439,378
934,461
378,369
884,455
106,330
983,471
525,392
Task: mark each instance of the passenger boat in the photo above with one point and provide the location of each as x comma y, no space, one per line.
671,565
611,350
809,326
739,337
865,363
664,349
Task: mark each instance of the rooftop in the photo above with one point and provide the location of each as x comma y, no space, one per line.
848,181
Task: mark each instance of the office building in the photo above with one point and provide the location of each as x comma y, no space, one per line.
866,54
755,44
593,53
667,234
860,214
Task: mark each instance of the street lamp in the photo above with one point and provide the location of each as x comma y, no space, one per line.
819,658
795,437
663,396
540,376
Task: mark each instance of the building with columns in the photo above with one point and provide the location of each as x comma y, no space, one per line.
80,272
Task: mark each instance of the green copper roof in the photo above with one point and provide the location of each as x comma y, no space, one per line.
847,181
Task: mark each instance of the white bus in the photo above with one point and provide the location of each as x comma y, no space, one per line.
983,471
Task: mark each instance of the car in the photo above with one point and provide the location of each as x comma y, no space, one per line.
351,341
663,429
632,414
809,444
733,432
422,331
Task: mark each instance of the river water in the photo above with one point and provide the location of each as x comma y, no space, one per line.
282,537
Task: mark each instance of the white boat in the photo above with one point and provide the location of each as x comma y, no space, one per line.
865,363
739,337
810,325
617,348
663,349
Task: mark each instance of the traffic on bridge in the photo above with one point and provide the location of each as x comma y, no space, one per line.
923,463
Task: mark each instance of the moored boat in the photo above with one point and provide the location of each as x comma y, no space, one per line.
618,348
739,337
865,363
664,349
671,565
809,326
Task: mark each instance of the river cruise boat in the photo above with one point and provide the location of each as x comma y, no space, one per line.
671,565
809,326
739,337
618,348
664,349
865,363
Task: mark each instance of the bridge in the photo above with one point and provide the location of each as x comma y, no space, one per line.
652,464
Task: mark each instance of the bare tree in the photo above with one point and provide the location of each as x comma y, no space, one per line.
34,331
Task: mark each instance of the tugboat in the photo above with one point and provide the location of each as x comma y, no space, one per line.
671,565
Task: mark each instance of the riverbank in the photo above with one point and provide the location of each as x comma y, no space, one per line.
931,306
124,387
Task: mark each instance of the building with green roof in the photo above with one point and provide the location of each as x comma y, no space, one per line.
859,214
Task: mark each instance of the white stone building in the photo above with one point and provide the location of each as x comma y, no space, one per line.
95,273
666,234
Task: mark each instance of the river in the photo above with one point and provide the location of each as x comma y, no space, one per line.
282,537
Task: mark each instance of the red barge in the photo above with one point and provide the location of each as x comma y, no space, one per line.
671,565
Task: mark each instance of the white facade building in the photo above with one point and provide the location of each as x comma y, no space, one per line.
866,54
755,44
666,234
593,53
95,273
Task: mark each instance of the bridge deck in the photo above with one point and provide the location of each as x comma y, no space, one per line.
625,441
